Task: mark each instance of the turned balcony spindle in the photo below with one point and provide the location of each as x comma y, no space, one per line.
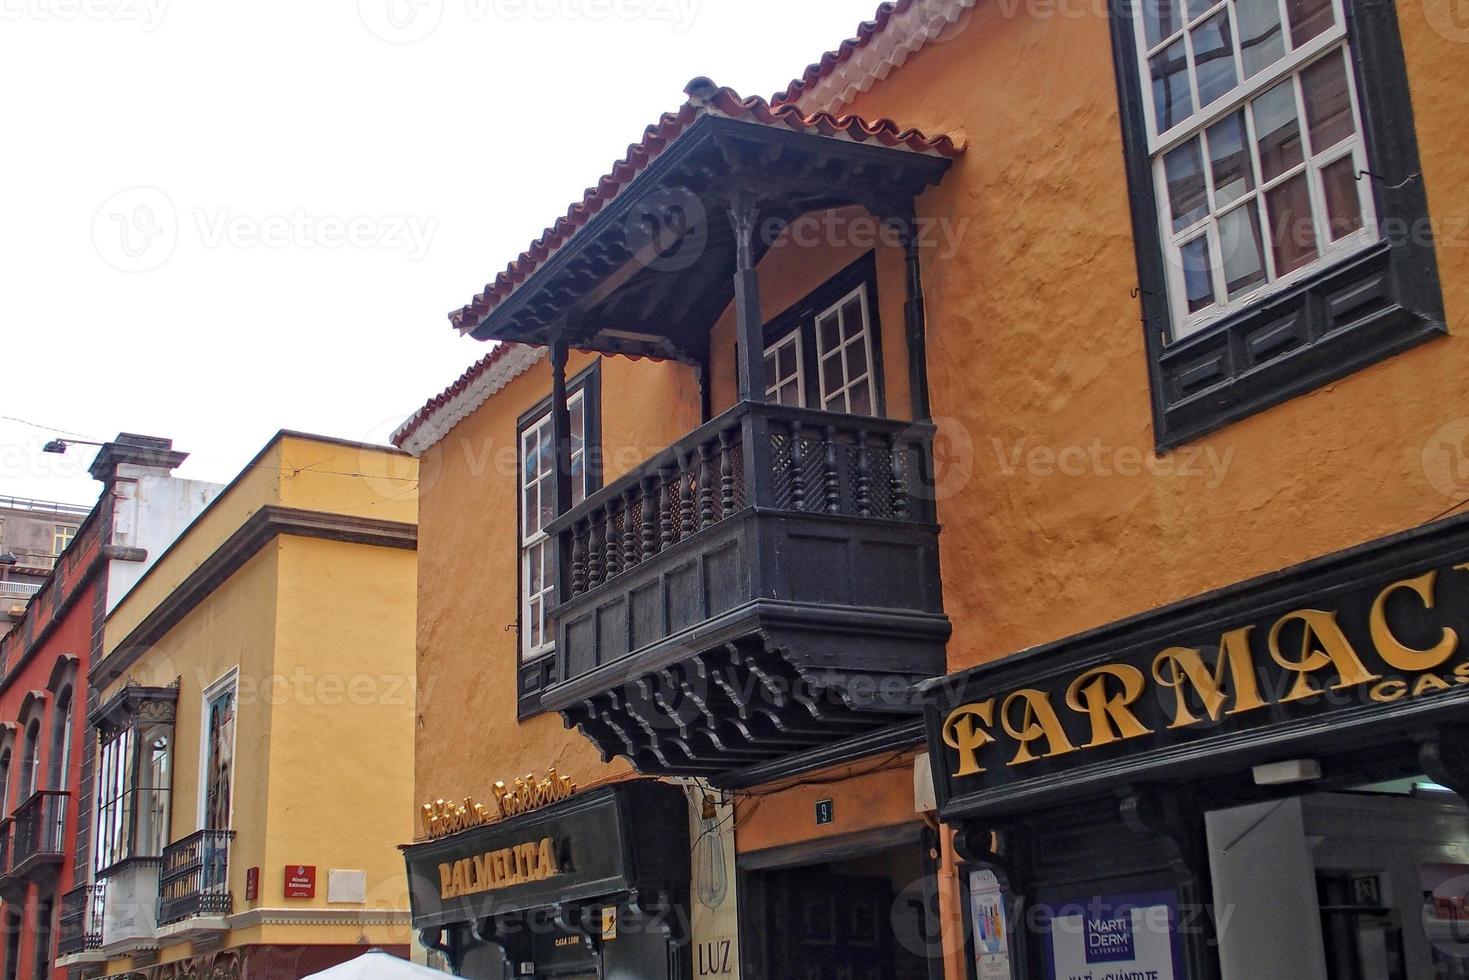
650,517
897,456
613,547
726,475
579,558
667,505
798,468
629,533
830,472
594,548
706,487
864,476
685,498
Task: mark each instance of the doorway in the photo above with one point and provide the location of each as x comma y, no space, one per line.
861,908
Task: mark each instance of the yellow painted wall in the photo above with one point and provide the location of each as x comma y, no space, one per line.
468,736
320,635
1035,342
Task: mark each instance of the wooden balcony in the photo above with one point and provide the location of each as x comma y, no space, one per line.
194,881
39,844
766,586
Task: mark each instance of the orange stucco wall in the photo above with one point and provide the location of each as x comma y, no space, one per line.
865,799
468,736
1036,354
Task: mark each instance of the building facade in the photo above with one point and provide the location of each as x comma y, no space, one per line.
254,709
1025,497
33,534
45,768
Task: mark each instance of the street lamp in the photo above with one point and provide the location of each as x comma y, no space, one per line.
60,446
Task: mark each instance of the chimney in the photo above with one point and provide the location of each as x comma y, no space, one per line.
128,449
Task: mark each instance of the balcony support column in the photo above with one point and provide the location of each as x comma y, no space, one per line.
914,321
744,217
561,440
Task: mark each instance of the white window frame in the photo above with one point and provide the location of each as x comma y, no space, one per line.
1292,63
539,540
774,384
824,393
60,531
230,679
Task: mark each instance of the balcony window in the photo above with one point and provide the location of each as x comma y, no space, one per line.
823,353
30,761
61,726
134,778
61,537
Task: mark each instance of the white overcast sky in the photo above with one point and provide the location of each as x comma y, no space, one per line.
220,219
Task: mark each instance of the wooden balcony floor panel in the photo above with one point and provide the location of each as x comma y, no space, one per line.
743,703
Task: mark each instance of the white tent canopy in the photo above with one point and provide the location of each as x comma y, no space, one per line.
377,965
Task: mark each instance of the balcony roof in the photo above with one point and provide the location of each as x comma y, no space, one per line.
601,274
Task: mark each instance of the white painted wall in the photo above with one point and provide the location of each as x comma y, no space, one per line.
150,509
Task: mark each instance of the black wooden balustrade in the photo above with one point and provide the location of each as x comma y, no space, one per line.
80,921
40,831
194,878
763,586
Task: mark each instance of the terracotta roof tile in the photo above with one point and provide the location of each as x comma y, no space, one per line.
704,98
476,371
831,60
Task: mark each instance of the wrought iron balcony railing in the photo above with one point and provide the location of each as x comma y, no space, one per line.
194,879
765,585
40,832
80,925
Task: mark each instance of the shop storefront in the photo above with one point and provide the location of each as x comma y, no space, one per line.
1265,781
596,886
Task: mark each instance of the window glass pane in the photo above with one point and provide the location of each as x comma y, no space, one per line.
548,499
532,510
1198,276
1239,242
1229,160
829,330
1160,20
1278,130
578,478
788,361
1328,102
1308,18
1262,42
1292,232
856,360
1343,205
1172,100
535,623
852,320
860,398
1214,57
1198,8
220,767
1184,170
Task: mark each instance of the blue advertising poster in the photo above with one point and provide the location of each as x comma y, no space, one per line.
1114,937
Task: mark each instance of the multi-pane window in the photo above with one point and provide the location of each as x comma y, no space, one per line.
134,779
785,372
61,537
844,353
537,509
1256,141
824,355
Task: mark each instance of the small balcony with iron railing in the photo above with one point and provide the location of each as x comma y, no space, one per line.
193,884
766,585
12,888
80,923
39,845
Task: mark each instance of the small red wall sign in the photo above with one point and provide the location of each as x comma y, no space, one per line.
252,884
300,881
